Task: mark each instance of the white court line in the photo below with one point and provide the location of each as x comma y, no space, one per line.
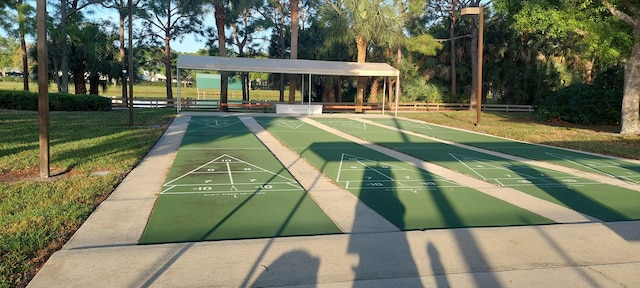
572,171
536,205
465,164
582,165
217,125
287,125
229,172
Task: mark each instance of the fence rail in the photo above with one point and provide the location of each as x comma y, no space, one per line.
199,104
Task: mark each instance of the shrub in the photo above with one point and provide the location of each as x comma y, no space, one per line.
418,89
22,100
600,103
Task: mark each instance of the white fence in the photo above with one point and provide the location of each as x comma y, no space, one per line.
198,104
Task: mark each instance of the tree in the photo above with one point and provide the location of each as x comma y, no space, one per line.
220,15
243,29
365,19
171,20
629,12
21,24
8,48
121,6
92,55
295,26
69,15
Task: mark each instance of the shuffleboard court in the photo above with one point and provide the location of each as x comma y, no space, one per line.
602,201
407,196
224,184
617,168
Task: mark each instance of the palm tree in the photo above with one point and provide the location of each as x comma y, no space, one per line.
220,15
365,19
371,22
24,18
295,24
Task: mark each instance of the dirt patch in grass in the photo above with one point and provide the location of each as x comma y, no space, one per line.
33,174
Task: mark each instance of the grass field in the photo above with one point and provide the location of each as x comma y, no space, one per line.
37,217
159,91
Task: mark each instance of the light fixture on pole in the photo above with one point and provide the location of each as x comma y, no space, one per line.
480,12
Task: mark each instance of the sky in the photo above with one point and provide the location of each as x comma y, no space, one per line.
188,44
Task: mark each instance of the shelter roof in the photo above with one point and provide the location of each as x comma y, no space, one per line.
286,66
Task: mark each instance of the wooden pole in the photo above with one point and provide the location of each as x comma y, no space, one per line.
43,85
131,72
480,54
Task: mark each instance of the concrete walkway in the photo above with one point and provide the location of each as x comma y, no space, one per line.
104,251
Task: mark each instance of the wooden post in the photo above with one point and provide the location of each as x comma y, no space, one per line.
43,93
131,72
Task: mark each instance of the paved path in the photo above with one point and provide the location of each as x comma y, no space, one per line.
104,251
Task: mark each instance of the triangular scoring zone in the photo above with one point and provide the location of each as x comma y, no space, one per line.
388,177
229,174
508,175
215,123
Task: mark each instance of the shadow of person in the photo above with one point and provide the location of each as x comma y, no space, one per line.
437,268
296,267
382,255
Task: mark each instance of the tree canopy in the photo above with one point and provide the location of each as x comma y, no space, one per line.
531,47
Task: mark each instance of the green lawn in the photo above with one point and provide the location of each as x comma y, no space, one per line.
37,217
147,90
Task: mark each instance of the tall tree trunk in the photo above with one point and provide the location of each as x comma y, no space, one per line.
64,49
167,65
94,83
474,64
373,95
281,46
122,58
454,56
221,18
631,99
295,24
78,80
589,71
338,87
362,58
23,50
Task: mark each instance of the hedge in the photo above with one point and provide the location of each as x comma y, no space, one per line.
23,100
600,103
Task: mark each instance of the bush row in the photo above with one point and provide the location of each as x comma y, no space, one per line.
596,104
23,100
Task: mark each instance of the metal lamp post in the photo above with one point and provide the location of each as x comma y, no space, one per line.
480,12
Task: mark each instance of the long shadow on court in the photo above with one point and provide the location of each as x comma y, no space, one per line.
568,196
386,255
603,165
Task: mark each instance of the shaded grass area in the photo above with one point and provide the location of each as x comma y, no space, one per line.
38,216
409,197
525,127
224,184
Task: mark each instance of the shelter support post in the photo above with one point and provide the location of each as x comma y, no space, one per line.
179,102
397,93
384,92
309,94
